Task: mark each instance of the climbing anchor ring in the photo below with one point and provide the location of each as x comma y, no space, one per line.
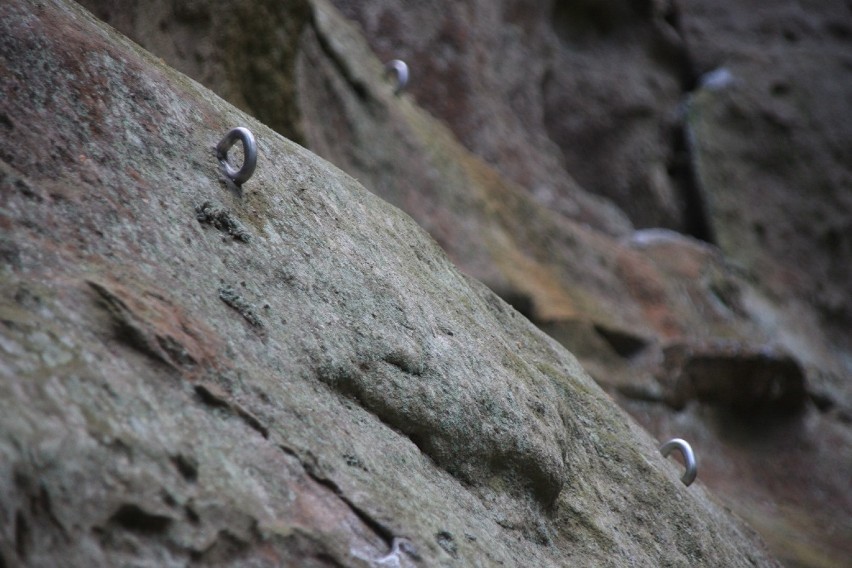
242,175
688,456
400,68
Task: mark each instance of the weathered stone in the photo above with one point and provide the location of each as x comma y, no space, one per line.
145,421
745,381
775,461
614,304
245,52
553,93
785,473
773,156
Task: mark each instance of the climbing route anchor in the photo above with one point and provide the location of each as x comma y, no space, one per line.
242,175
688,457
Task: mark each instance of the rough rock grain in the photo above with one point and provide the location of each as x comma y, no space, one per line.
350,389
619,305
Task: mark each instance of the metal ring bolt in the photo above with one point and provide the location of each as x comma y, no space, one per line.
398,67
238,176
688,457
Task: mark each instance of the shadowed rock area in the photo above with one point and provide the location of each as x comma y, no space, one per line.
355,332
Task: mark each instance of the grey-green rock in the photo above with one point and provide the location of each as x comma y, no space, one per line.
328,392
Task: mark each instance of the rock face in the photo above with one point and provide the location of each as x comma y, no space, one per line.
548,94
670,113
287,373
734,348
700,117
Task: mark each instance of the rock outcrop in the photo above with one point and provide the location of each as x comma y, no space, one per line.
287,373
739,348
672,116
716,119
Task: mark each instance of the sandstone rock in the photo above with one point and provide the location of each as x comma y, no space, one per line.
563,91
328,392
741,380
772,154
786,473
244,52
717,121
617,304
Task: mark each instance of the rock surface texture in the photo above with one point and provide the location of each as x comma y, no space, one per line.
287,373
340,394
